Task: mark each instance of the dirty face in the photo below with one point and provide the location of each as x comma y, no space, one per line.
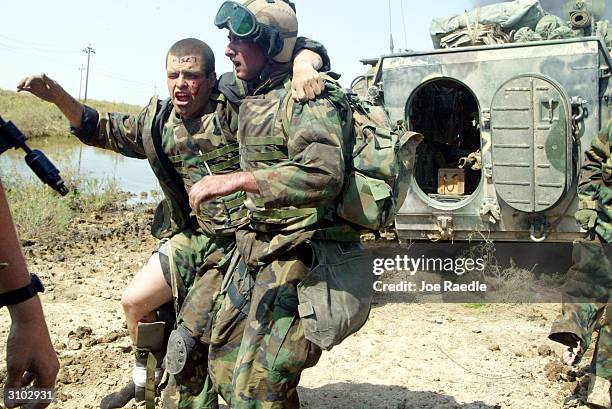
247,56
188,84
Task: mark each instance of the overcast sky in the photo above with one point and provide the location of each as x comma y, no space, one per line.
131,38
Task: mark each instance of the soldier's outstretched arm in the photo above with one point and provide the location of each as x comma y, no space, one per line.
119,132
49,90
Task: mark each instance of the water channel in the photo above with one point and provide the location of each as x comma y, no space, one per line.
70,155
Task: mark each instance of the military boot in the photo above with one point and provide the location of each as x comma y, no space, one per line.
146,375
120,398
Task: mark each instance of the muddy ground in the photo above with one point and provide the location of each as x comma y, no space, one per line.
448,356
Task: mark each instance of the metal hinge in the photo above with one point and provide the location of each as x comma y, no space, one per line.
490,207
445,229
486,118
604,72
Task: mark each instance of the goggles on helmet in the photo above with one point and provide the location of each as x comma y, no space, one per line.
243,24
237,18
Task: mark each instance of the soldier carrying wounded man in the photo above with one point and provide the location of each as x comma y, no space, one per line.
293,159
185,138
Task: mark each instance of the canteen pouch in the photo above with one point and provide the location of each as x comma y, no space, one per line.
335,296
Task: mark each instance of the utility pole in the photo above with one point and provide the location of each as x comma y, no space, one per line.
391,47
88,51
81,69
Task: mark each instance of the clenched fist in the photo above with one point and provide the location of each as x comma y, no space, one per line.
306,84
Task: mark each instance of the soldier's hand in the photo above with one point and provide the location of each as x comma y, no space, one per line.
306,83
208,188
213,186
586,218
41,86
571,355
30,354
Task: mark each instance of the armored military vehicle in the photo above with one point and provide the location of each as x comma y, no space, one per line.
505,125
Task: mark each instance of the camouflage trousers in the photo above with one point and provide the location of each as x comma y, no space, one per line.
257,355
194,265
586,300
195,390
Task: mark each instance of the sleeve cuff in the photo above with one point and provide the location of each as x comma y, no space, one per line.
262,177
89,124
304,43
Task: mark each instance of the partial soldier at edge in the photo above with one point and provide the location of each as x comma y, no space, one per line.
589,281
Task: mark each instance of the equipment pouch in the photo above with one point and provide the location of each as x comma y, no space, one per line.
365,201
335,297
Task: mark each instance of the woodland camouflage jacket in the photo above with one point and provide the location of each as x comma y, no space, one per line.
595,187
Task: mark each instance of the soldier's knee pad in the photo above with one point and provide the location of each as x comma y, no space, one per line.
180,347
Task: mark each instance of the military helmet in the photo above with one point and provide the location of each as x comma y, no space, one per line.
270,23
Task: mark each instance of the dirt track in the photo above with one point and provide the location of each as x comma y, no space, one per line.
446,356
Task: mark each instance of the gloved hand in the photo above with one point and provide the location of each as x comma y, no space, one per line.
586,218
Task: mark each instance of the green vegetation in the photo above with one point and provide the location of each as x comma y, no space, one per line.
476,305
37,118
39,212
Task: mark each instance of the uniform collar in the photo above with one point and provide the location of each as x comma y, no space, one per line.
271,76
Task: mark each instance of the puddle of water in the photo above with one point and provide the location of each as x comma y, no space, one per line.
70,155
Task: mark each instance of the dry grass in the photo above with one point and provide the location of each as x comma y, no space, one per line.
512,284
37,118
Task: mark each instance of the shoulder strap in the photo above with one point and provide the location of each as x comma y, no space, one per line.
333,91
286,107
224,104
170,180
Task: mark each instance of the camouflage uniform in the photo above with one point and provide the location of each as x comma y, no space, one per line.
257,354
589,281
195,245
196,248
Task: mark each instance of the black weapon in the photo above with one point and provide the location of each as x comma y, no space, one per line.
12,137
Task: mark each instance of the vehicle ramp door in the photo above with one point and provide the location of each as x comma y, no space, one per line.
530,148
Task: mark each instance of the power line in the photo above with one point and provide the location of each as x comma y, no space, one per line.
42,46
38,55
35,52
122,78
48,56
